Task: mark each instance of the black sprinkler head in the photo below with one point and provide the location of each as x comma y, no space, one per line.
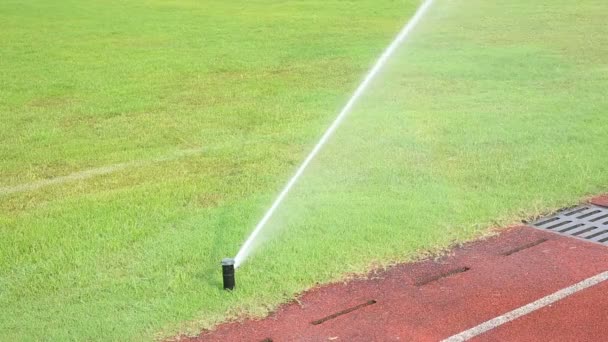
228,273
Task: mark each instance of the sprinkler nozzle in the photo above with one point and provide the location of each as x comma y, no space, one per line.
228,273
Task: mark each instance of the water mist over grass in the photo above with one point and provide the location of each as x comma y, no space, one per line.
250,243
483,118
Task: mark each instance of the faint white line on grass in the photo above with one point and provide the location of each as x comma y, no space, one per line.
104,170
405,31
529,308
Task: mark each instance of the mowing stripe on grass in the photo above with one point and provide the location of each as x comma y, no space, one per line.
529,308
104,170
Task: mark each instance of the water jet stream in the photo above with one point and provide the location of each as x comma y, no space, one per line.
405,31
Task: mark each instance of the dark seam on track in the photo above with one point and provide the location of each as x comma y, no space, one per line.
442,275
343,312
526,246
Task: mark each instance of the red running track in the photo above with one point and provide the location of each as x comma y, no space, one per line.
435,299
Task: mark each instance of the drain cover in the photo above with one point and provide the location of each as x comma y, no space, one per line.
588,222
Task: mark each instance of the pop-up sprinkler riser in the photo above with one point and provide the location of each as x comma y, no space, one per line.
228,273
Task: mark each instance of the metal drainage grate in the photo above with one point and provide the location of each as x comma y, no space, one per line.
588,222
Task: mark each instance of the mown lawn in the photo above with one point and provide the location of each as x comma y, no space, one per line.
491,113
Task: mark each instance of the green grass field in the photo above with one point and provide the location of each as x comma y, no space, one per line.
491,113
